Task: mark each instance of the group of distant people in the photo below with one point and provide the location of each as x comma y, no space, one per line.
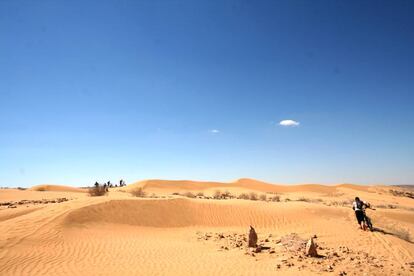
108,185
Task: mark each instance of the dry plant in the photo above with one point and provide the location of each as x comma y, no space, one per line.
243,196
252,196
97,191
217,194
389,206
226,195
138,192
304,199
263,197
275,198
189,195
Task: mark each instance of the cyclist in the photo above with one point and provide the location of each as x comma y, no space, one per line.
358,206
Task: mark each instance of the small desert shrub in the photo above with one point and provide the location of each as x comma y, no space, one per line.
217,194
402,193
342,203
226,194
253,196
275,198
189,194
243,196
41,189
287,199
97,191
310,200
263,197
347,203
175,193
200,194
390,206
304,199
138,192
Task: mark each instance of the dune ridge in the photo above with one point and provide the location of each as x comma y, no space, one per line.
56,188
242,183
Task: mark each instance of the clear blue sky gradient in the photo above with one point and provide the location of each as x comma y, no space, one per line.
103,90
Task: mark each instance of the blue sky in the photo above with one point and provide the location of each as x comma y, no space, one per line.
103,90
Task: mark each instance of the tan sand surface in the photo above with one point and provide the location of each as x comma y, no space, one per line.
56,188
118,234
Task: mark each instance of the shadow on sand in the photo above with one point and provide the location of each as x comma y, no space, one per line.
382,231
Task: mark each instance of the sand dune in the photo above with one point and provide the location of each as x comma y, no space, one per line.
184,213
57,188
118,234
243,183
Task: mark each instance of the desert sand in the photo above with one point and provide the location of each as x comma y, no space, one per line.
61,230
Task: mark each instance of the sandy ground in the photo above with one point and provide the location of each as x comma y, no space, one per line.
118,234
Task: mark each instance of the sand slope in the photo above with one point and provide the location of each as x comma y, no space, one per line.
57,188
243,184
118,234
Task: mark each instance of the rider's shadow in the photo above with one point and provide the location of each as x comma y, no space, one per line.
382,231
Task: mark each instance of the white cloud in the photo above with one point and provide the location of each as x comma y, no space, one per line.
214,131
289,123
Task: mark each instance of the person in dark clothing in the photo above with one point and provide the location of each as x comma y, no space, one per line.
358,206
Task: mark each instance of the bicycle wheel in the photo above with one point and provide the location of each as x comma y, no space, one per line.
369,223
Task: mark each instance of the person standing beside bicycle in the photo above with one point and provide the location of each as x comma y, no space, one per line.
358,206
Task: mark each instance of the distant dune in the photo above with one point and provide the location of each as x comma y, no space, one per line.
57,188
242,184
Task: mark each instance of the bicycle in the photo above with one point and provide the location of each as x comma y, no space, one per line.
367,219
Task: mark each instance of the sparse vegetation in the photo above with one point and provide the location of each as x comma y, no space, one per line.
97,191
275,198
263,197
217,194
176,193
200,194
243,196
252,196
226,195
138,192
310,200
402,193
304,199
388,206
189,195
341,203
